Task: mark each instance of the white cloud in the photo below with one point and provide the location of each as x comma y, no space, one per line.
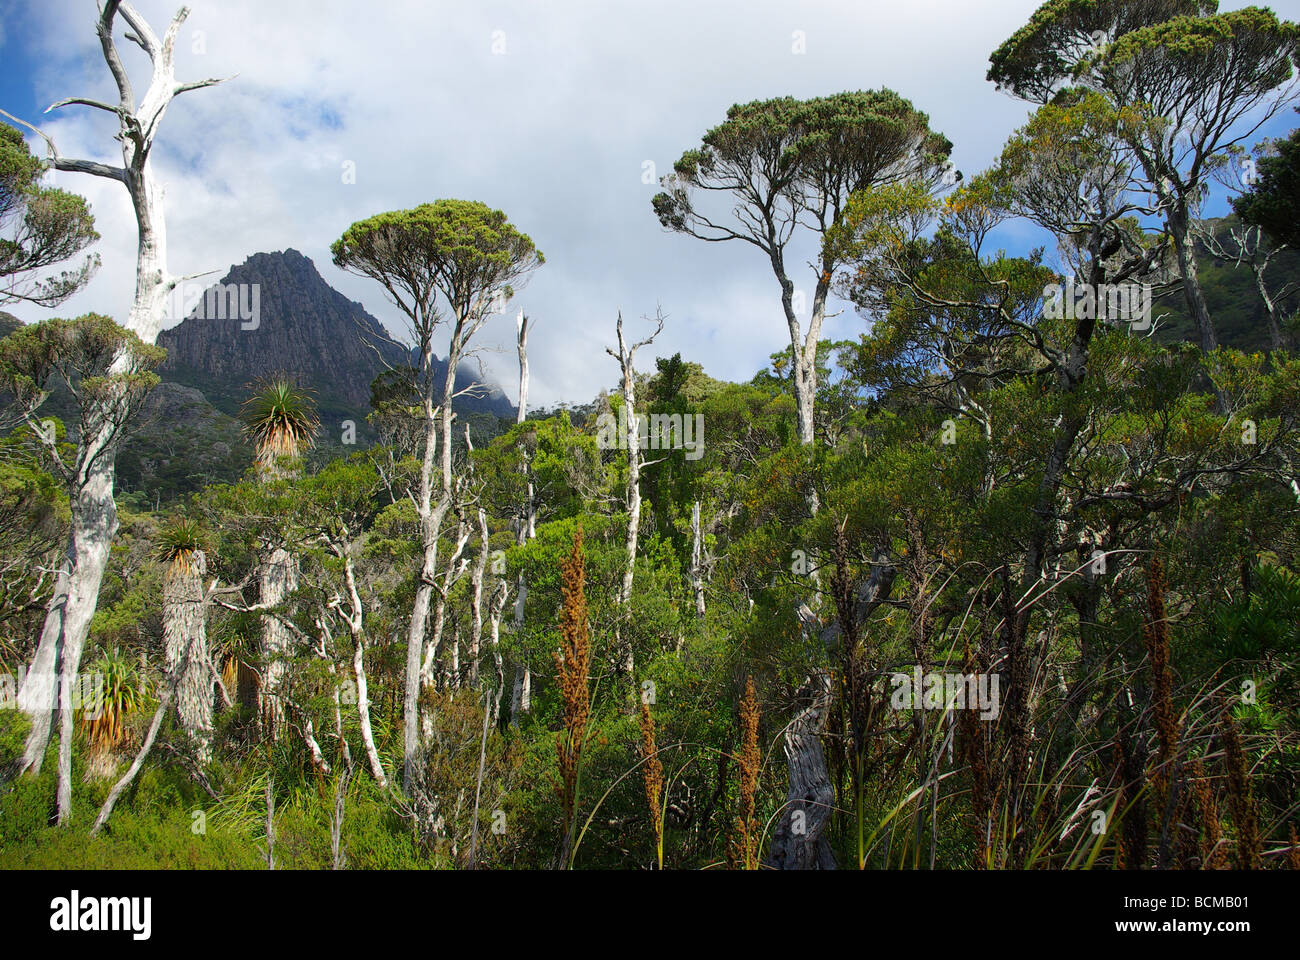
554,132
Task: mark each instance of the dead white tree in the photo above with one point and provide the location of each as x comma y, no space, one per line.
476,608
94,520
1244,245
354,619
697,562
521,698
631,438
500,594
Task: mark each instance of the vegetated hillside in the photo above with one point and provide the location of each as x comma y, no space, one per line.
180,444
1240,319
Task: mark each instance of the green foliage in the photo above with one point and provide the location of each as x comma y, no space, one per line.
987,487
1050,49
1271,201
463,249
40,228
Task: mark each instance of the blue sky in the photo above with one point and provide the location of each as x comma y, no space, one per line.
553,125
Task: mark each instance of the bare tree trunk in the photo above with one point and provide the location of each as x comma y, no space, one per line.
455,568
49,680
313,747
697,562
430,527
94,520
1270,305
797,842
476,624
431,517
363,713
803,347
521,700
1180,230
521,328
186,648
356,627
277,579
495,608
626,358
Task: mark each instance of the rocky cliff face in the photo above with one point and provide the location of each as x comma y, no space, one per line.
274,313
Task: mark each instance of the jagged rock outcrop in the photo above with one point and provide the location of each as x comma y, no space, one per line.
274,313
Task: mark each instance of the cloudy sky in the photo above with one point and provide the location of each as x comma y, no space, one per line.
551,110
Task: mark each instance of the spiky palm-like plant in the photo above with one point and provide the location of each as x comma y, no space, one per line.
179,544
121,692
281,421
185,638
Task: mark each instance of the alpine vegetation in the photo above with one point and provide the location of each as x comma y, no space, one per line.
856,481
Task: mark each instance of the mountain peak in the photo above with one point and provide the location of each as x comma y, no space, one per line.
274,313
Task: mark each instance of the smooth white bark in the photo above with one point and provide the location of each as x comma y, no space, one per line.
94,520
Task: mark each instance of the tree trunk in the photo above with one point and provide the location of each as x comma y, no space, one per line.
476,625
455,567
626,358
1185,250
277,579
1270,305
797,843
632,499
496,607
94,514
521,700
697,562
521,696
67,623
185,646
431,516
803,347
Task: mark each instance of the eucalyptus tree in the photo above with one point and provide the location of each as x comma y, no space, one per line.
521,699
40,228
464,258
1054,48
1189,83
789,167
1199,87
1088,431
958,319
77,586
281,422
108,371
